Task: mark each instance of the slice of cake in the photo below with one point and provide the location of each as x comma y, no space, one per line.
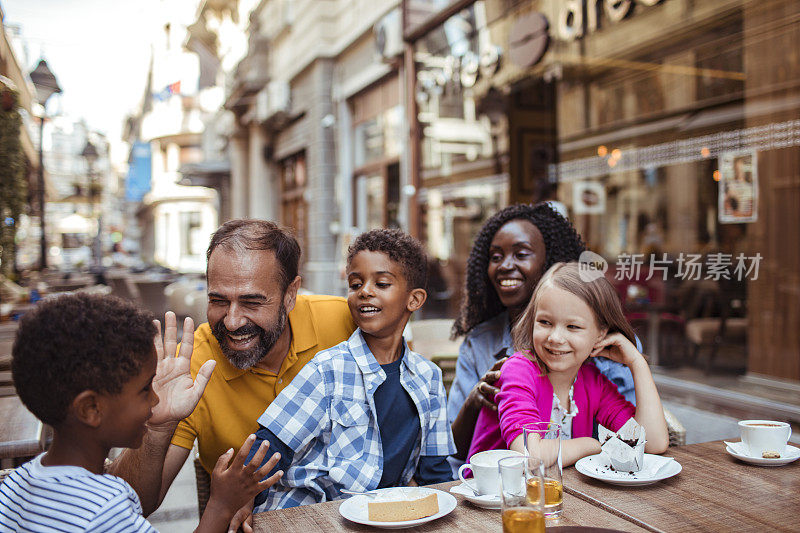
398,505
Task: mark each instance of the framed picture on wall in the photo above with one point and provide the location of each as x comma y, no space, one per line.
738,187
588,198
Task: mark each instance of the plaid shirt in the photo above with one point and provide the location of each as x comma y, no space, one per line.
327,416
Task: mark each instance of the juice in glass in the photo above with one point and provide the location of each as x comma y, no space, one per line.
553,492
523,520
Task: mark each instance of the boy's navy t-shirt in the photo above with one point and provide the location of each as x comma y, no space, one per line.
398,422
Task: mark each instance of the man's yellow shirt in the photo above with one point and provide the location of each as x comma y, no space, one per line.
234,399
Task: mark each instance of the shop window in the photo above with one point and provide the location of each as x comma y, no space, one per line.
294,208
370,201
378,138
191,242
378,198
377,118
451,216
190,154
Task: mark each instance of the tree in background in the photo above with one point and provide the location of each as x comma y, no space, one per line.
13,185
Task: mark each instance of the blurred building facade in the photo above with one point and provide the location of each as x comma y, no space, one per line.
662,128
319,138
82,197
175,220
666,128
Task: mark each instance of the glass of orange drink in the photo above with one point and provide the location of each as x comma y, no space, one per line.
521,514
543,441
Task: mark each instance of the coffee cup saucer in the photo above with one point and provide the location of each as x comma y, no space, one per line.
738,450
486,501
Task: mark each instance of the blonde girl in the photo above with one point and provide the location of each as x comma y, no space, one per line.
567,321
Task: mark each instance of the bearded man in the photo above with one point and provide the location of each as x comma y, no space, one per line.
258,336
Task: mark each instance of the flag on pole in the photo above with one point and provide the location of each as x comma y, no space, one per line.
169,90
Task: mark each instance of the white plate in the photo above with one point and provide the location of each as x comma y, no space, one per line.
599,467
790,454
489,501
355,509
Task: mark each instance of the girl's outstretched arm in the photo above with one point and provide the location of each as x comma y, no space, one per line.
649,412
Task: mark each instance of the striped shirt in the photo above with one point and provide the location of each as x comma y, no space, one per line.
36,498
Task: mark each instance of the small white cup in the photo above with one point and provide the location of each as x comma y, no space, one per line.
761,436
486,476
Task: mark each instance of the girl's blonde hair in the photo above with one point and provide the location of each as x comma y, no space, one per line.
598,294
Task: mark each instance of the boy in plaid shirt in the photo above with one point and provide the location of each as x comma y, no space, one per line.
367,413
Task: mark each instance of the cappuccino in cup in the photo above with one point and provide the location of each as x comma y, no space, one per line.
765,438
486,476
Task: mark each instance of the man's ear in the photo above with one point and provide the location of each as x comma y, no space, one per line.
416,298
290,296
87,407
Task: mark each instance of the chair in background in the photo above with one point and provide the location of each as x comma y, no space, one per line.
6,384
203,480
187,297
431,338
8,331
122,285
677,433
727,329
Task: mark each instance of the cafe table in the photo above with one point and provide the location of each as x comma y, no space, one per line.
466,518
713,492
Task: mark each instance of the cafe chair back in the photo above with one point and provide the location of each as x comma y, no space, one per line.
203,480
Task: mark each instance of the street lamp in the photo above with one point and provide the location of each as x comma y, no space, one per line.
90,154
46,85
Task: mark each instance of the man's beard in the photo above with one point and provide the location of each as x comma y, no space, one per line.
244,359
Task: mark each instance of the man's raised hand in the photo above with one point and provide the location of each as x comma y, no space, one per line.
178,393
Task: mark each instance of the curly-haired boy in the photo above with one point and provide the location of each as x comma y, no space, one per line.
85,365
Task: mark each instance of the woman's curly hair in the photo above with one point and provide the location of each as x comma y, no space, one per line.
480,303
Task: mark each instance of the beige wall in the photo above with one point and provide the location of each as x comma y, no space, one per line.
303,30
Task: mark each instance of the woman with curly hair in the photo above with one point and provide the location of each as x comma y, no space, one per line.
511,252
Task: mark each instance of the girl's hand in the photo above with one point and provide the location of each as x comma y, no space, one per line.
617,347
234,484
482,394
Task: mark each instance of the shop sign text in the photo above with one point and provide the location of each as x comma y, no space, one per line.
577,18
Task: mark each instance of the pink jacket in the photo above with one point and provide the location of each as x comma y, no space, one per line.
526,395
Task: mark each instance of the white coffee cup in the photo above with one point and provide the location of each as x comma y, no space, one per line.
761,436
486,476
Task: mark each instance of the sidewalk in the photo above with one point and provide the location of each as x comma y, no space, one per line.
178,512
709,406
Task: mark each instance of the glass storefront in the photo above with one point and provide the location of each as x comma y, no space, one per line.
377,145
668,129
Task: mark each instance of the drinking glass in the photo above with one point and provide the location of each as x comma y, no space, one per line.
521,513
543,442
